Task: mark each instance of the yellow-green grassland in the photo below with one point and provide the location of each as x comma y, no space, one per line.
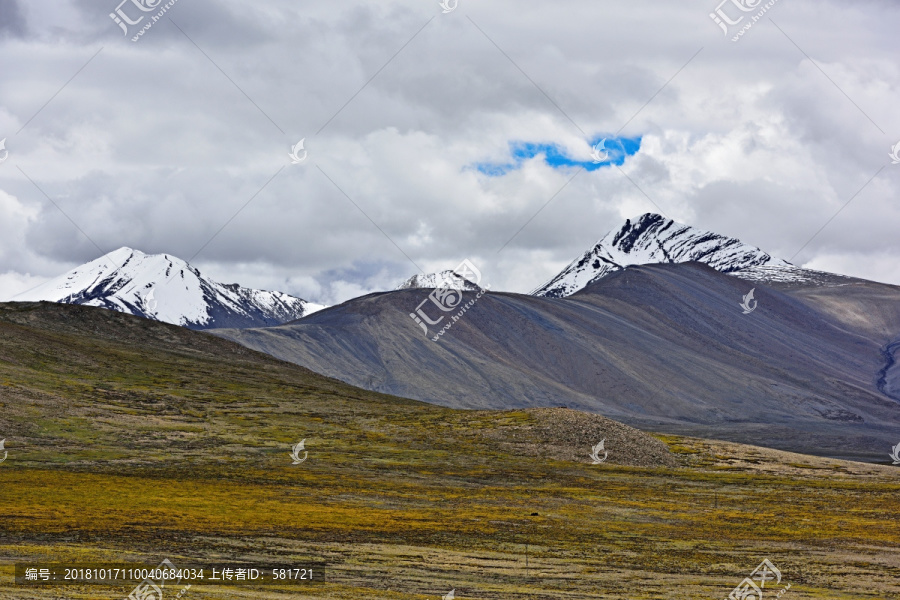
134,441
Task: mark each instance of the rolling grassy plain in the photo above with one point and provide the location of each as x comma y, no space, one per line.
134,441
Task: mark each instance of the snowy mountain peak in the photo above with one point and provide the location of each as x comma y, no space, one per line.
652,238
445,279
165,288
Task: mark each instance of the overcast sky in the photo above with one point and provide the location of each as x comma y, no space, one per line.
434,137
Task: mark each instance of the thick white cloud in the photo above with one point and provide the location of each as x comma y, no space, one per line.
151,145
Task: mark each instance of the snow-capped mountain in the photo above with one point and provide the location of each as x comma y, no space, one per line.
652,238
168,289
445,279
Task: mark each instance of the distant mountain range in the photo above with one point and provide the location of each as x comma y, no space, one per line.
165,288
653,239
646,327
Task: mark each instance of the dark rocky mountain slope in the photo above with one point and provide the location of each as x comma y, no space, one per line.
664,347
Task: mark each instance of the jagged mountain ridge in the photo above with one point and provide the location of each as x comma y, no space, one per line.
165,288
652,238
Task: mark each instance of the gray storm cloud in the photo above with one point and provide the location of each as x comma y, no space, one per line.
179,142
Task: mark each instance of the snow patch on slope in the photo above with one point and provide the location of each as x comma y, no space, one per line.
792,274
445,279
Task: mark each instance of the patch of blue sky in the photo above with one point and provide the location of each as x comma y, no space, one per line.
604,152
